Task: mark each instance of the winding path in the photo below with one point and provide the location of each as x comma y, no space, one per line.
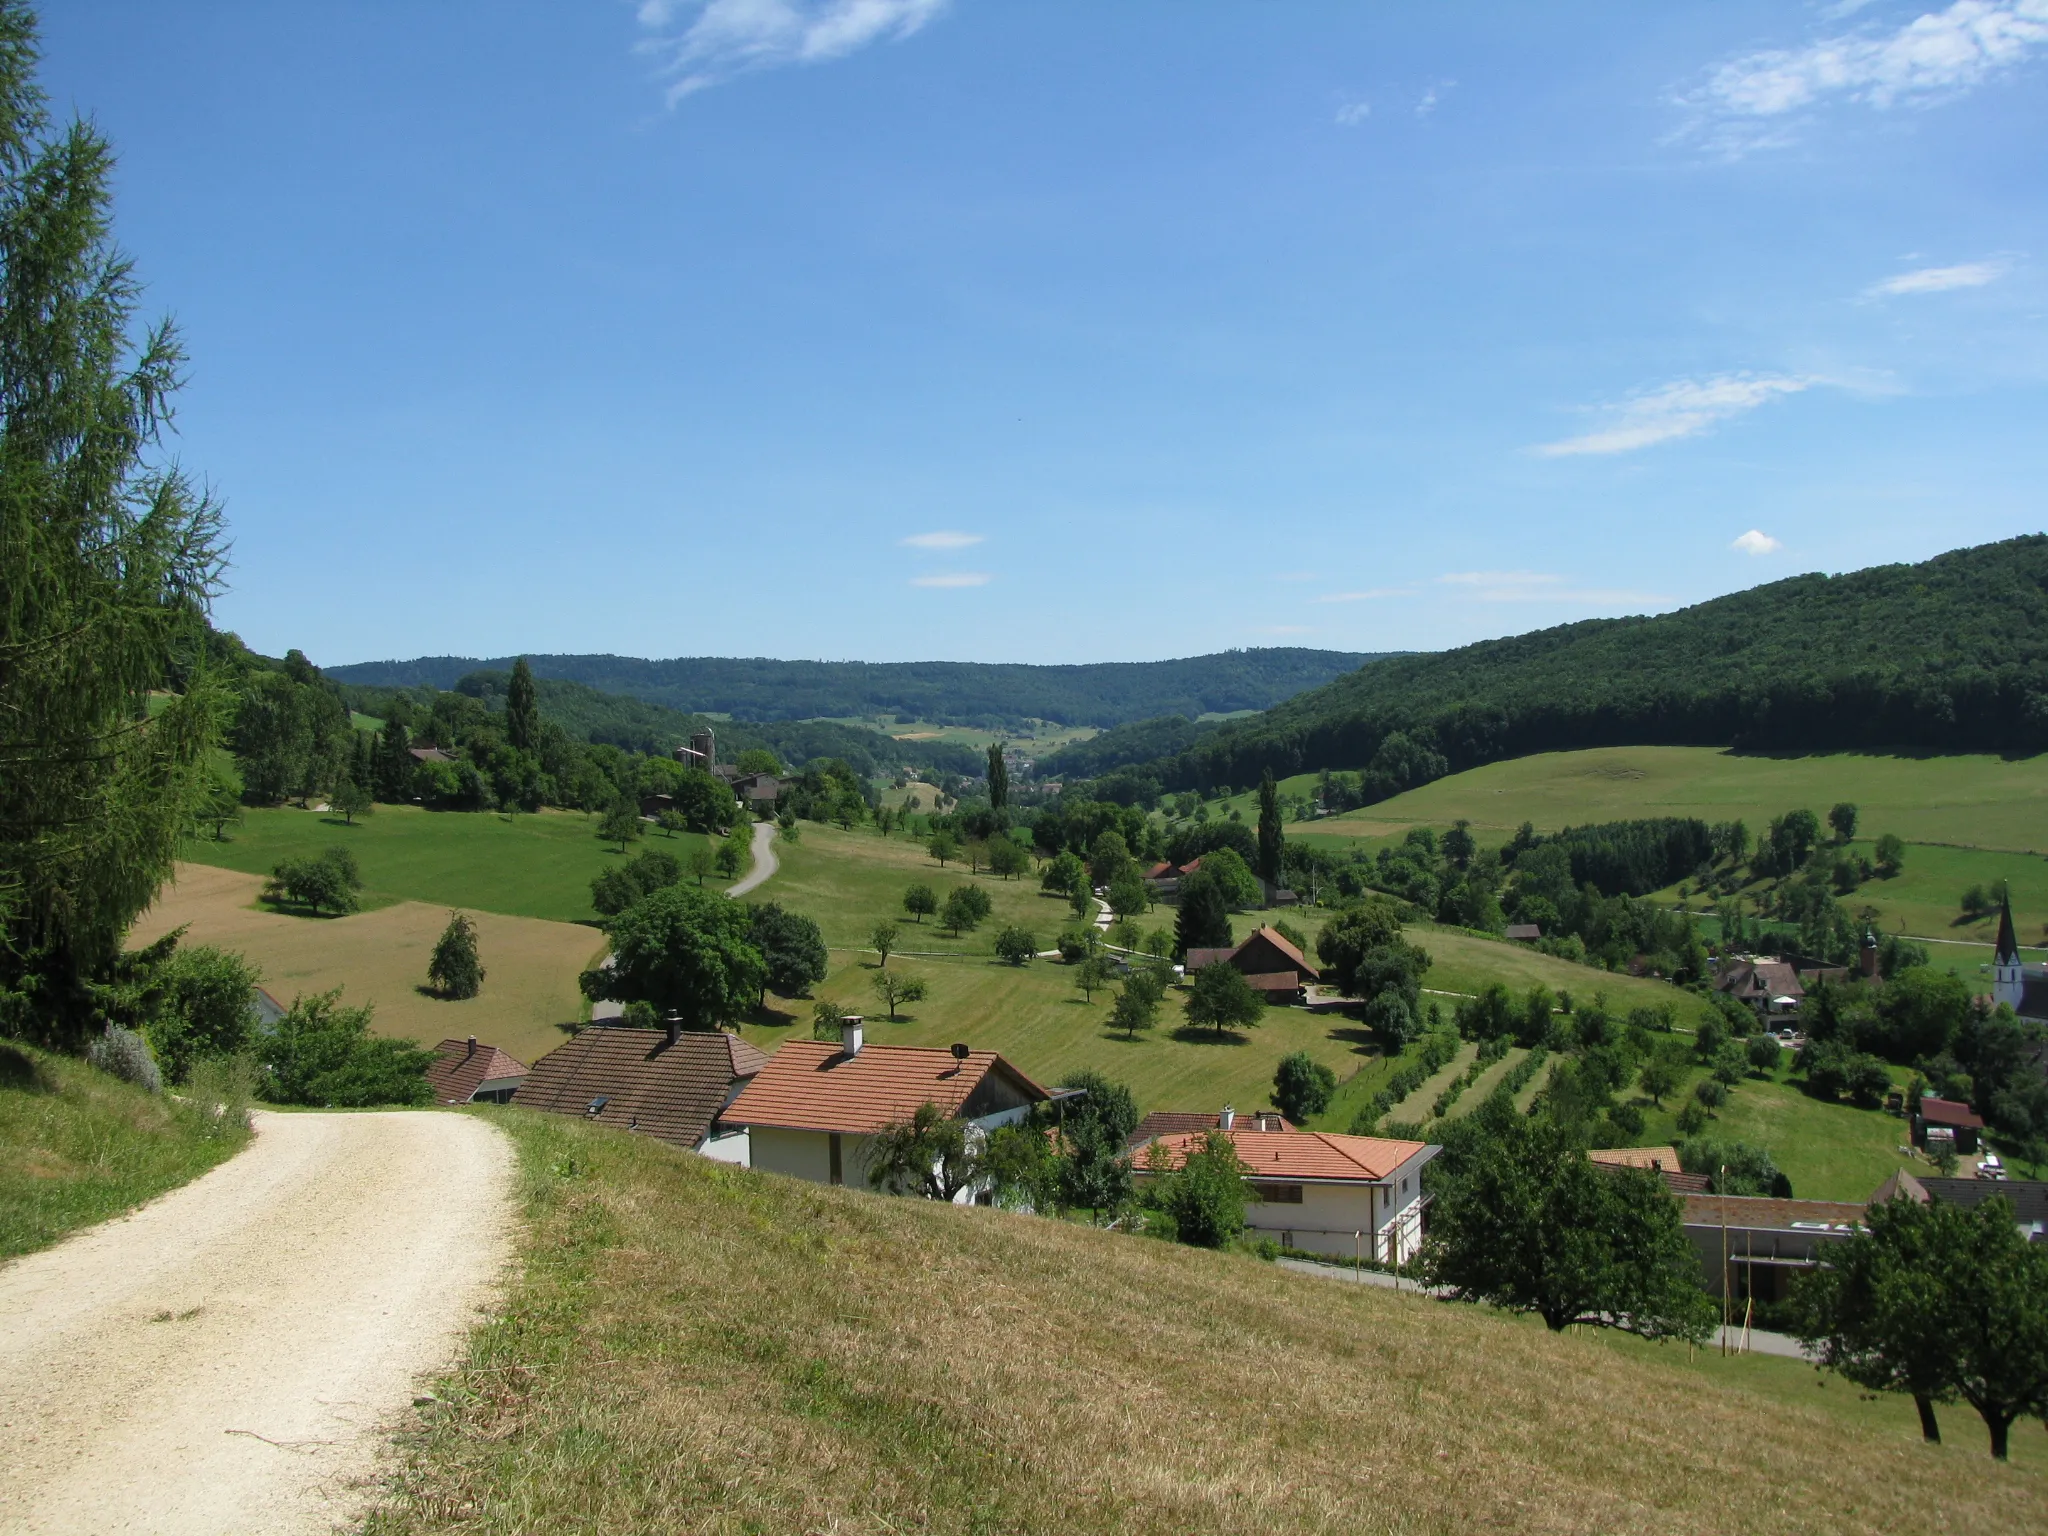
233,1356
764,860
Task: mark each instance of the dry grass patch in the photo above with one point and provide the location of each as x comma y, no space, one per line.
381,957
696,1347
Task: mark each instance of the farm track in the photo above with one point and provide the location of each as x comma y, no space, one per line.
232,1357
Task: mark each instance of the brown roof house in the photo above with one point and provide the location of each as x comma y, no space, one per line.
1345,1196
1769,986
1946,1120
1662,1161
464,1072
669,1086
812,1110
1269,962
1758,1244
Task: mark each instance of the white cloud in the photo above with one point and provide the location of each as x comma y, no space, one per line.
1352,113
1431,96
1934,55
944,538
1679,409
705,42
1969,274
1757,542
1364,597
952,579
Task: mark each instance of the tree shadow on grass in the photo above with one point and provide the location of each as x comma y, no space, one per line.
768,1016
1202,1034
1362,1041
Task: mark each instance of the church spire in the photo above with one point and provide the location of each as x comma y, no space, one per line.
2008,949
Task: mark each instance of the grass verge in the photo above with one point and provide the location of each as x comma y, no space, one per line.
78,1146
688,1346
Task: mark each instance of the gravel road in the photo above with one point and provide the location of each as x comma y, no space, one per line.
231,1357
765,862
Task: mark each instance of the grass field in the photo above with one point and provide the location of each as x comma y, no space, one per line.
861,1364
1969,801
525,866
1042,737
1415,1109
381,957
77,1146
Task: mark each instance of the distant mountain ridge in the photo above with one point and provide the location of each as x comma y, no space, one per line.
989,694
1950,655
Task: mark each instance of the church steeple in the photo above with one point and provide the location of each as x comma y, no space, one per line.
2008,980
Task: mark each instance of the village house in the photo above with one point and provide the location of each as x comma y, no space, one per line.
464,1072
1939,1123
1662,1161
2028,1197
1768,986
670,1086
1172,1122
1315,1191
1269,962
1753,1246
813,1109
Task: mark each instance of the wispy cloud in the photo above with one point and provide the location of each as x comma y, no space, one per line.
1544,587
1432,95
944,538
1757,542
1969,274
1366,596
1936,55
1352,113
1683,408
703,43
952,579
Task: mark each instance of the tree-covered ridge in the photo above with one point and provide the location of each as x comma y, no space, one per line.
991,695
1142,741
1947,656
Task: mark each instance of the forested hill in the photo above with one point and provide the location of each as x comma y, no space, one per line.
993,695
1947,656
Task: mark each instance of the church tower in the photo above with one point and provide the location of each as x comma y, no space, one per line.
2008,984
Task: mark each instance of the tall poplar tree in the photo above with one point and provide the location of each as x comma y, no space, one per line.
109,558
1271,839
998,777
522,708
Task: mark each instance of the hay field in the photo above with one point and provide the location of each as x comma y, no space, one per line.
381,957
1968,801
863,1364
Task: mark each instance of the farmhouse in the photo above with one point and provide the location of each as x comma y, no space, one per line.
1269,962
1768,986
464,1072
669,1086
1939,1121
2028,1197
1752,1247
812,1110
1345,1196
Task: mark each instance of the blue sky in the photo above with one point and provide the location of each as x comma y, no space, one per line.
902,329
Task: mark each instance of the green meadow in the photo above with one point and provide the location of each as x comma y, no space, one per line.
524,866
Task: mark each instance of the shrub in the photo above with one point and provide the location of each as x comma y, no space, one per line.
1076,943
222,1087
330,881
322,1053
1205,1197
124,1054
207,1009
1302,1086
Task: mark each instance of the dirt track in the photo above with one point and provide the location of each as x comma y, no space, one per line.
230,1358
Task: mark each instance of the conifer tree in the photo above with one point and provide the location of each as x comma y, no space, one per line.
1271,840
998,777
522,708
455,969
107,566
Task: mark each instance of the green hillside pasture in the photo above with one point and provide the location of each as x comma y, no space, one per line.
865,1364
1036,1017
1974,801
1488,1080
1828,1151
1461,963
523,866
1415,1109
77,1146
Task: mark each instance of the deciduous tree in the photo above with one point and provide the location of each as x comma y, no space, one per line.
686,951
919,901
1221,998
1302,1086
895,988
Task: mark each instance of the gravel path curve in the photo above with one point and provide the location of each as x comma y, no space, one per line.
231,1357
765,862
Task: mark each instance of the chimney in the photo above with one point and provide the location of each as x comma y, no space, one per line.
675,1029
472,1048
849,1034
1227,1119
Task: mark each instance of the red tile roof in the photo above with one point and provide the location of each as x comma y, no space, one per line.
1165,1122
1656,1159
460,1067
1310,1157
813,1085
670,1092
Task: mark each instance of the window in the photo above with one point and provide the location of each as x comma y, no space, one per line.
1276,1194
838,1168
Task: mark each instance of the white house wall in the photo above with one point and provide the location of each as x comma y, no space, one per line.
731,1147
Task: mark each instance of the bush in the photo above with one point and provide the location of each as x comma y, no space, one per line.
1076,943
207,1009
1205,1197
1389,1017
330,881
322,1053
222,1087
124,1054
1733,1167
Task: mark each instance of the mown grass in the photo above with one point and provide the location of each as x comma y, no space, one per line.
1969,801
522,866
78,1146
688,1346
